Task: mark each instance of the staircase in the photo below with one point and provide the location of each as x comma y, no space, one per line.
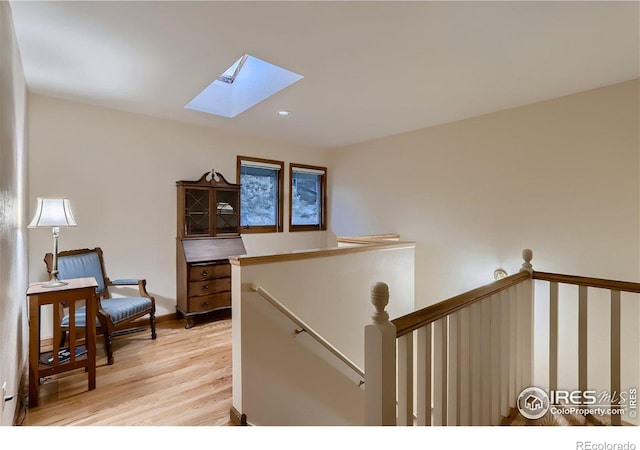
465,361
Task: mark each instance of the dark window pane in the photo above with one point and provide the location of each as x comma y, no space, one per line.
306,198
259,196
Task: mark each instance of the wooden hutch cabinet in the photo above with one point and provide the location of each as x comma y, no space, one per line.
208,233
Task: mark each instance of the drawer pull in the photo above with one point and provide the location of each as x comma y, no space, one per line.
204,273
204,287
203,304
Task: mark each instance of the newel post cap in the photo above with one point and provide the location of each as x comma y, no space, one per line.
527,255
380,299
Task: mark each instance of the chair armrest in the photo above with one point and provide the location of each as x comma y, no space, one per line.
142,283
125,282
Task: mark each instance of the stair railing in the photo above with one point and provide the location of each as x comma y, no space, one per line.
584,283
474,352
473,355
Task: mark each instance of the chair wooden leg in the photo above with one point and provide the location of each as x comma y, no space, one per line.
152,323
107,344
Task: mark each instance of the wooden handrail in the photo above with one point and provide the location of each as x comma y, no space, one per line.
367,239
622,286
298,255
417,319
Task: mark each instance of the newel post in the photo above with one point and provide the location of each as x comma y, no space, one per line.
380,362
526,296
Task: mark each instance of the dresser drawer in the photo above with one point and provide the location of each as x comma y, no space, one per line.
199,288
209,302
209,272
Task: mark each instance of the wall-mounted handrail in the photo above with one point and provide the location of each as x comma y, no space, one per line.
417,319
310,331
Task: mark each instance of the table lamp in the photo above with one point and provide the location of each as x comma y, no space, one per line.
54,213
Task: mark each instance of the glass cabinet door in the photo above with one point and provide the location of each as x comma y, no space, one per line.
227,212
196,212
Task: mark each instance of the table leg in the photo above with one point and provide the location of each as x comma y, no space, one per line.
90,322
34,351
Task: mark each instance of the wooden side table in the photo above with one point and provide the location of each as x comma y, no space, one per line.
75,356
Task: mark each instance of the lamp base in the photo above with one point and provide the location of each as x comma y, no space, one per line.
54,283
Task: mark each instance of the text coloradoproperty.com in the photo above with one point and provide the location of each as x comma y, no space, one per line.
584,411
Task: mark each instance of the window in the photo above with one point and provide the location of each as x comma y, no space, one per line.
308,187
261,193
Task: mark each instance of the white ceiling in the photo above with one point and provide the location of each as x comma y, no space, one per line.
371,69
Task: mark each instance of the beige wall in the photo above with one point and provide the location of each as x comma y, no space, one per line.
119,171
13,196
560,177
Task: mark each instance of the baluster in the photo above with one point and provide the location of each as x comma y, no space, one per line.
423,376
504,352
380,362
616,419
496,354
474,337
522,336
405,380
553,336
512,347
582,338
485,362
519,336
452,382
464,403
440,372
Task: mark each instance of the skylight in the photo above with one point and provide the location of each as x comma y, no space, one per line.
244,84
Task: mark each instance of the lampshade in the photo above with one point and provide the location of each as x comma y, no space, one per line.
53,212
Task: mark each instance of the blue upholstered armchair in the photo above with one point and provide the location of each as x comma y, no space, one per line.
115,315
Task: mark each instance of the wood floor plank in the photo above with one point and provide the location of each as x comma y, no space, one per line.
181,378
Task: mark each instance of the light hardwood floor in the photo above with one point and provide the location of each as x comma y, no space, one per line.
181,378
